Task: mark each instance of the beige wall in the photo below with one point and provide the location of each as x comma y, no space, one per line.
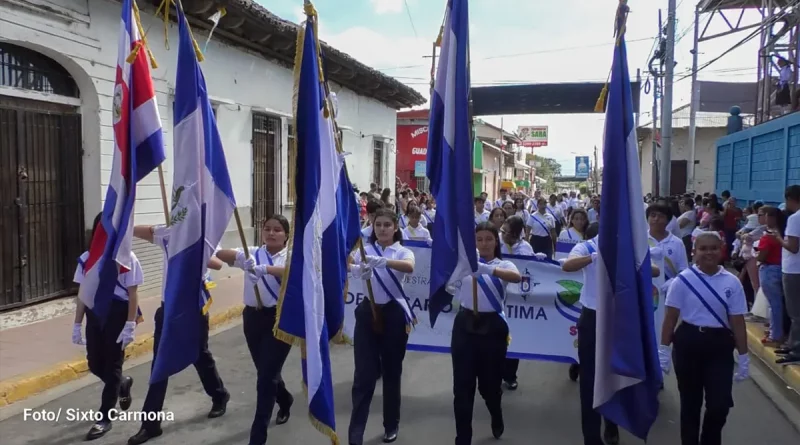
705,154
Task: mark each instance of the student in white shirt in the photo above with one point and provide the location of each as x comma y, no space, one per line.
205,364
488,206
429,213
372,207
578,224
673,249
594,211
541,226
583,258
106,339
497,217
519,206
711,304
509,208
503,198
790,266
382,326
481,214
480,336
414,230
264,268
556,212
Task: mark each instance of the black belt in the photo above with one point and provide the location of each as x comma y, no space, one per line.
706,329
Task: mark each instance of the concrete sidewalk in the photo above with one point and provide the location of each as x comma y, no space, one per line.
40,356
790,374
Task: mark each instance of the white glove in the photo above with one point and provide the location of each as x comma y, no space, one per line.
429,241
594,256
244,263
451,288
259,271
366,272
664,358
743,371
77,335
540,255
375,262
126,336
484,269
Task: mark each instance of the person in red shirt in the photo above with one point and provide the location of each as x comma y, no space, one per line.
716,224
769,273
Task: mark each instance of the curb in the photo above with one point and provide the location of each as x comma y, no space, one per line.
24,386
790,374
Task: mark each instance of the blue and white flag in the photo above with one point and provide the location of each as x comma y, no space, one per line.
627,373
325,230
202,205
450,162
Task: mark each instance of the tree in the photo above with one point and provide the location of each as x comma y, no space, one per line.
547,169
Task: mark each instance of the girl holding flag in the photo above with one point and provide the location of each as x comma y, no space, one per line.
380,342
106,342
480,337
264,267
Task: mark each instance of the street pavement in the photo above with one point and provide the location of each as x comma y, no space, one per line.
544,410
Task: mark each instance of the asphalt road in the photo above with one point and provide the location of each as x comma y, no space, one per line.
544,410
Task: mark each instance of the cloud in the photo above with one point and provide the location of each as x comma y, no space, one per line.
387,6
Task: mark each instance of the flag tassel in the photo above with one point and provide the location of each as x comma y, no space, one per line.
143,42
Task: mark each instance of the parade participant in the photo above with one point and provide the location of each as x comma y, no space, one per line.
106,339
429,213
556,212
541,226
497,217
577,226
533,203
519,205
372,208
403,220
488,206
508,207
481,214
414,230
675,261
513,244
264,269
503,198
205,365
479,342
711,303
594,211
380,344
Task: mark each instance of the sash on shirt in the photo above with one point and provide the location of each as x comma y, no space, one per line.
699,287
403,221
139,314
541,223
591,247
387,279
668,262
494,292
425,214
264,278
552,213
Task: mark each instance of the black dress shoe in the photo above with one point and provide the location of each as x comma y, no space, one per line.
143,436
284,413
390,435
218,408
498,427
783,351
611,437
789,359
98,430
125,393
512,385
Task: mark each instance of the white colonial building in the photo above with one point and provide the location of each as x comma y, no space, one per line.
57,70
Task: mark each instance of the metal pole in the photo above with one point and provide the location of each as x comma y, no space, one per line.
636,116
666,103
695,103
654,179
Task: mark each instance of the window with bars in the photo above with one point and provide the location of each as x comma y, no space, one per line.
291,150
377,161
26,69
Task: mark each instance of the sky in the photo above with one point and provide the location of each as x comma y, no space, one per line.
529,41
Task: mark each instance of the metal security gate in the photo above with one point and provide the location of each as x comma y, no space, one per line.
266,144
41,200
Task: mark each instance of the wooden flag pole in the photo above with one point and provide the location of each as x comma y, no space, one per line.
259,303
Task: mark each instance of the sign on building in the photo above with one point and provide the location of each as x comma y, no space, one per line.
582,166
533,136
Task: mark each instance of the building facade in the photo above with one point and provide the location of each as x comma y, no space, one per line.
57,70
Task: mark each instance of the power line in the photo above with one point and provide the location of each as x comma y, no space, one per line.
411,20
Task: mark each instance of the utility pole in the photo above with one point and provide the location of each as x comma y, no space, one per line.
666,103
596,172
695,103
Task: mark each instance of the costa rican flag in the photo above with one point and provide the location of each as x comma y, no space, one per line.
138,149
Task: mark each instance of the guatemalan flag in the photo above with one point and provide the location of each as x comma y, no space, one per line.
202,205
628,376
453,253
138,149
325,230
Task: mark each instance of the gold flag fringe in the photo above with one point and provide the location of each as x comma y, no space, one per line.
142,42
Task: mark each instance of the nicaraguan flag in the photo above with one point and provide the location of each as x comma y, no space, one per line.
628,376
453,254
138,149
202,205
325,230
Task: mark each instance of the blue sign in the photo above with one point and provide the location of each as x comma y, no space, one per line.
582,166
419,169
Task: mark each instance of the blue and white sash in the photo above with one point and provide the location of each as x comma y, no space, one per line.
427,217
569,234
276,282
698,285
552,213
591,247
403,221
388,280
541,223
494,291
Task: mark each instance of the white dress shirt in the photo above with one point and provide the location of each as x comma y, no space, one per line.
727,286
133,277
464,290
394,252
269,286
589,290
521,247
541,225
